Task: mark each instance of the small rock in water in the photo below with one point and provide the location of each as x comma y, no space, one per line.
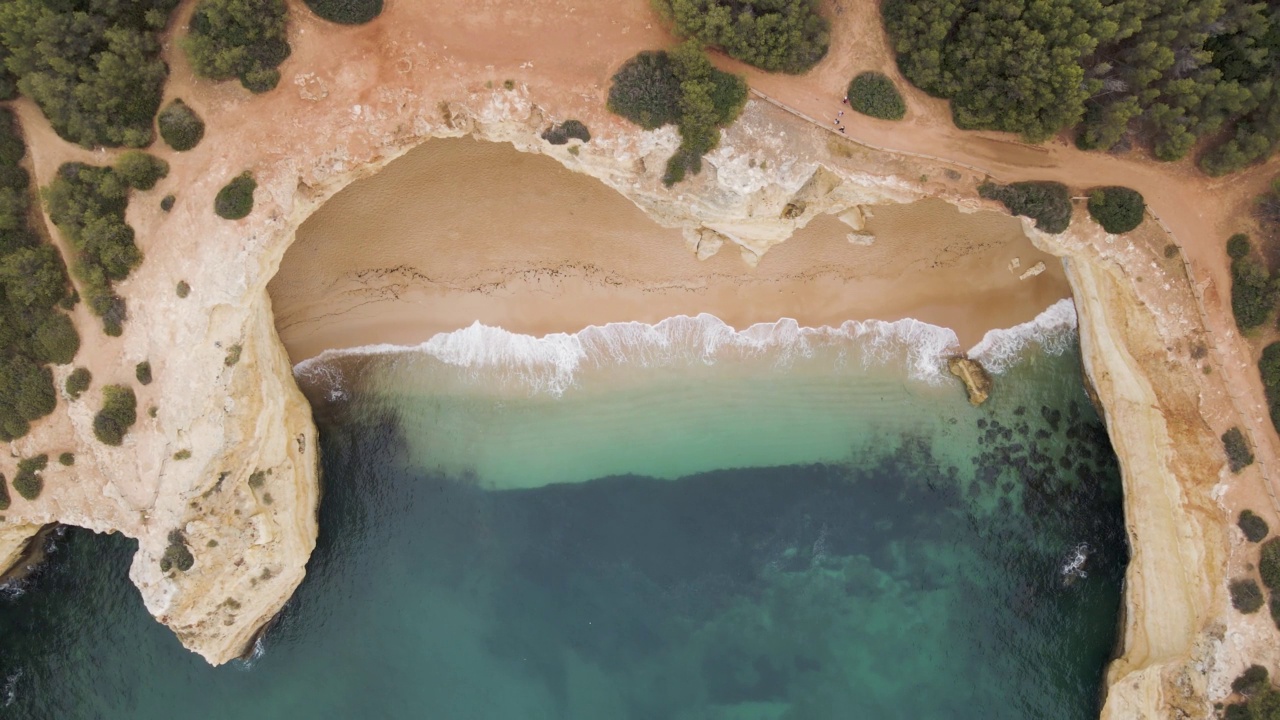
975,378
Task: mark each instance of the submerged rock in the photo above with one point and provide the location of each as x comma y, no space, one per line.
975,378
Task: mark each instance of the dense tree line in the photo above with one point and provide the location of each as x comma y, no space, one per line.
88,203
1167,72
1048,203
245,39
682,87
33,284
790,36
1253,291
93,66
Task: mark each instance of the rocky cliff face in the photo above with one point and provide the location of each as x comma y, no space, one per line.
244,503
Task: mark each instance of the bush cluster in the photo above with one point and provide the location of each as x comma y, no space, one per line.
1269,368
140,170
1269,563
245,39
873,93
119,412
1117,209
29,481
143,372
1246,596
1239,456
682,87
93,67
1255,529
78,381
33,283
1048,203
346,12
788,36
1261,700
1165,76
4,493
166,203
67,459
87,203
235,199
176,555
1253,290
1253,679
564,132
180,126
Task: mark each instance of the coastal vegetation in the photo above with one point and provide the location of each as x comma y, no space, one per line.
1048,203
34,332
245,39
78,381
182,289
873,93
1246,596
4,493
1115,74
1253,290
67,459
235,199
682,87
1269,564
143,372
788,36
29,482
140,170
1269,368
1255,529
1260,700
180,126
119,412
176,555
346,12
1117,209
166,203
1239,456
564,132
88,203
93,68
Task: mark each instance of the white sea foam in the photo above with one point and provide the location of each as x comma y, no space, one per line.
551,363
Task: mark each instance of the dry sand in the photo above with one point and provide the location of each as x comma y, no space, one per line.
460,230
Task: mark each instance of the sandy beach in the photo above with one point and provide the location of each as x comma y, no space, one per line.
460,230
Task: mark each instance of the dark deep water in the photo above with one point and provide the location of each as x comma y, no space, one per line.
900,583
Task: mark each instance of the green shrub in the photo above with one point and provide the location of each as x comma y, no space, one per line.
166,204
235,199
646,91
88,204
654,89
1246,596
176,555
4,494
1237,711
26,395
1269,563
183,289
1048,203
67,459
119,412
93,68
873,93
788,36
1117,209
1253,679
56,340
1255,529
257,479
139,170
1269,368
180,126
1239,456
1238,246
346,12
1253,293
78,381
143,372
233,356
564,132
244,39
182,454
29,482
1274,605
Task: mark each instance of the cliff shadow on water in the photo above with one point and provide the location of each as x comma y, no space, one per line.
929,560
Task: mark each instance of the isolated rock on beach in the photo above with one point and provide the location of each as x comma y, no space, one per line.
975,378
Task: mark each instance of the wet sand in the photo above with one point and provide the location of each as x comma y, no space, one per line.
459,231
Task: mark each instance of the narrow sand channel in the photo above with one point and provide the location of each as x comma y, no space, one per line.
459,231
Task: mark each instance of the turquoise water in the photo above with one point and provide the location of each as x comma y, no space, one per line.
809,536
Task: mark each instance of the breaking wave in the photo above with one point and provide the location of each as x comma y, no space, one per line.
551,363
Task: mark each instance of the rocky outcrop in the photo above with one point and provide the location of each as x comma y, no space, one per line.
975,378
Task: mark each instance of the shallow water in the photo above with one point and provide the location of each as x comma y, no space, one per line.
708,532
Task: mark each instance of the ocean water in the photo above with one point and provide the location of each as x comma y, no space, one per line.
647,522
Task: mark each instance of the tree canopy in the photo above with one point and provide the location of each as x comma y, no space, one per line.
92,66
788,36
245,39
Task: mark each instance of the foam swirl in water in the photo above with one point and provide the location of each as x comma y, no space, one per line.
552,362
